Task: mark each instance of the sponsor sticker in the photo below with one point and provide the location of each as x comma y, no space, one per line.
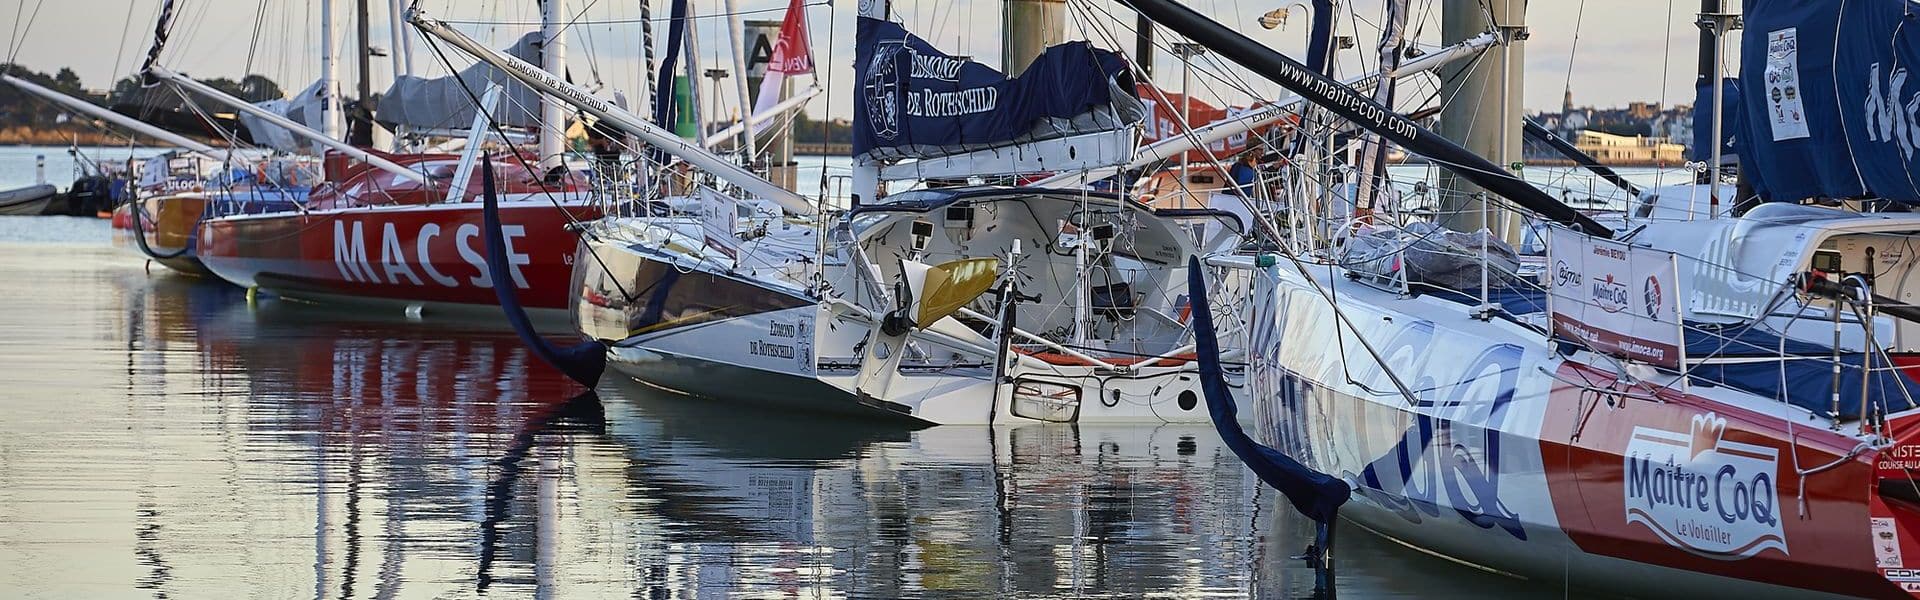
1613,297
1786,114
1886,544
1702,493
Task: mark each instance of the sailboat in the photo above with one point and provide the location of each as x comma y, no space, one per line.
399,228
1685,401
890,319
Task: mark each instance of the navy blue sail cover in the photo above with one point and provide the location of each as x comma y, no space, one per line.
1832,98
915,101
1315,494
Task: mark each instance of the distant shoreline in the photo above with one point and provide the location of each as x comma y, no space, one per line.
22,136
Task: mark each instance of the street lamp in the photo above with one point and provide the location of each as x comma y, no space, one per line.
1277,18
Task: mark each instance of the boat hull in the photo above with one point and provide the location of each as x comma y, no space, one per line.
1507,458
27,201
681,326
171,223
412,254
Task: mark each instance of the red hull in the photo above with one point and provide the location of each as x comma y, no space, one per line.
1712,488
431,253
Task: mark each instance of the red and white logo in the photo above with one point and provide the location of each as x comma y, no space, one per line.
1702,493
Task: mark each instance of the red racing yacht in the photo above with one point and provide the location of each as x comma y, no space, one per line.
366,234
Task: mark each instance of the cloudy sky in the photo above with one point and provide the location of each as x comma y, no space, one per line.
1620,50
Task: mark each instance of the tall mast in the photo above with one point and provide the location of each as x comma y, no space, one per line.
362,134
736,30
692,43
330,115
402,50
1373,154
398,47
1477,115
553,59
1030,26
1714,24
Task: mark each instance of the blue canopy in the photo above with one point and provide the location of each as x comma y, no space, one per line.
1828,103
914,101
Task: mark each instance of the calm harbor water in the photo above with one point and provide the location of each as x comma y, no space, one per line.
161,437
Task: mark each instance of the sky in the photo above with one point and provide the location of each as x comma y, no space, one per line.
1619,50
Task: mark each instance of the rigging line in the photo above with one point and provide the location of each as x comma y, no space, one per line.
22,30
1578,17
259,16
826,122
120,53
593,62
1166,45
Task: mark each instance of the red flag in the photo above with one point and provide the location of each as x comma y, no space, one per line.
792,55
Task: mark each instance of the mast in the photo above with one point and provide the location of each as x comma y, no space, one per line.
400,49
1476,116
362,134
1361,110
691,39
330,115
1029,27
1714,24
736,30
553,58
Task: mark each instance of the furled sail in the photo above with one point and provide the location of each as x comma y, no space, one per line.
440,103
914,101
305,108
1830,107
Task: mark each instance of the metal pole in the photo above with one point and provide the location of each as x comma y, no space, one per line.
362,134
402,50
397,39
1719,107
553,59
330,116
1186,108
692,44
736,30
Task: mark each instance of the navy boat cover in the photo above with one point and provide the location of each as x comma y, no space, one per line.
1828,99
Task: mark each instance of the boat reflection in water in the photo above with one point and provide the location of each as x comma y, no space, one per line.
290,448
